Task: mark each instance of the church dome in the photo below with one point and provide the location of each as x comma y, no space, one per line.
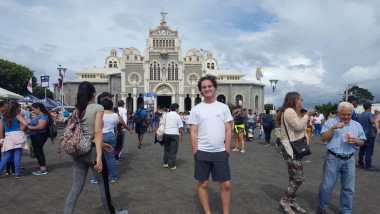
193,52
132,50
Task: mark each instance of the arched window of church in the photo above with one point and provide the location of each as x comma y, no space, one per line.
172,71
160,43
238,98
114,64
212,66
154,43
208,65
110,64
154,71
170,43
127,57
82,76
256,101
190,59
135,57
176,72
197,58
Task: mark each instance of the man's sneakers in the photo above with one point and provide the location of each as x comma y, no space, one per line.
40,172
121,212
113,180
173,167
118,162
19,175
166,165
372,169
235,150
94,181
242,151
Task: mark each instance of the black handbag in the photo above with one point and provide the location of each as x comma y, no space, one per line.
300,146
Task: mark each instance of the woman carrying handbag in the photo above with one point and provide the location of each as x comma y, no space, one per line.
289,116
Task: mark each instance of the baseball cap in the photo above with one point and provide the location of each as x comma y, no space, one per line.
105,94
367,105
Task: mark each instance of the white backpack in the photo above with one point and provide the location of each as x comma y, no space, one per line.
161,129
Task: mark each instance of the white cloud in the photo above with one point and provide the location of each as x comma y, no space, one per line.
314,47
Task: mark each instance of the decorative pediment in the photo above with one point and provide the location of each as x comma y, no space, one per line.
163,31
164,89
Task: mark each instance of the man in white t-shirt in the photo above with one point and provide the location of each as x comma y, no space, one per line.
123,113
318,120
210,133
173,127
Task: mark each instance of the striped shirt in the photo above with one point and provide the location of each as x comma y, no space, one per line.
337,143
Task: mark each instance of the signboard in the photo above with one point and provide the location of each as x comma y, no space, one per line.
149,99
44,81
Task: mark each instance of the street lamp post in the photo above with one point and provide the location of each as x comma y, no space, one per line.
273,85
62,71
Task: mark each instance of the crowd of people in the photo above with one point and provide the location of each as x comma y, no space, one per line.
211,125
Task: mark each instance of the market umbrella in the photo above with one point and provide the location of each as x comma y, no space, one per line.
49,103
8,95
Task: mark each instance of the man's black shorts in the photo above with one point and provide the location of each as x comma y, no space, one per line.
214,162
139,129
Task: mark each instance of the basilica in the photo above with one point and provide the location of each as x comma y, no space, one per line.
163,69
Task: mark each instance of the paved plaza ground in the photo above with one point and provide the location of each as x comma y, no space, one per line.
259,179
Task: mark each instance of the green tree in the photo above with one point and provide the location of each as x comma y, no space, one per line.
362,95
268,106
231,106
15,77
39,92
329,107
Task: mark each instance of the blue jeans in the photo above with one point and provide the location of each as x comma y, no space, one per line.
110,138
130,124
332,167
367,151
318,129
184,127
17,159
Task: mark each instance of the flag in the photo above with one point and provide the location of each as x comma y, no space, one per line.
30,86
60,81
259,74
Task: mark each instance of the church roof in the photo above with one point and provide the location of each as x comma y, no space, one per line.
223,72
98,70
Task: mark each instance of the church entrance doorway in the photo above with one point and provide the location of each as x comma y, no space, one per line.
164,101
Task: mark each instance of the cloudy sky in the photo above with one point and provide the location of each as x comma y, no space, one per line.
315,47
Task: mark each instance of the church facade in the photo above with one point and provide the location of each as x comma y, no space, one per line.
164,69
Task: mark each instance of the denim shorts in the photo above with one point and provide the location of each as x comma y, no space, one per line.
214,162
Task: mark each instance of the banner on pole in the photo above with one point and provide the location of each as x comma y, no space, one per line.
259,75
30,86
149,99
44,81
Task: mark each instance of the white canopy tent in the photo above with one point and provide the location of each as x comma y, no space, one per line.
8,95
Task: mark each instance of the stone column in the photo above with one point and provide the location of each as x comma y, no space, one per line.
123,94
173,98
181,102
134,98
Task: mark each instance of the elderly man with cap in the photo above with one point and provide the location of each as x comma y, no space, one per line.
344,136
366,119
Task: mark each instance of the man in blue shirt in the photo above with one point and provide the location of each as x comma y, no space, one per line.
352,100
344,136
366,119
139,127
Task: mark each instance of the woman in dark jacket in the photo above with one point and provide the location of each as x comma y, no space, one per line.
267,122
